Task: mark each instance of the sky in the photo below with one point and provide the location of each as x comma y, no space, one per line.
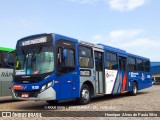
131,25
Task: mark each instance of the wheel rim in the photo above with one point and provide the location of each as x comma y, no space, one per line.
135,89
85,95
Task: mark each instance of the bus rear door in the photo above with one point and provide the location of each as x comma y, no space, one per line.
123,72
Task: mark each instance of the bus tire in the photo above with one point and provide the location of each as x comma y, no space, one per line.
85,95
134,89
52,102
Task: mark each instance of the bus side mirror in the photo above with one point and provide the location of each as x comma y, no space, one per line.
65,54
10,59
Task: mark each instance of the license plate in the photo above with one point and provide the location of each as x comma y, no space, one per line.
25,95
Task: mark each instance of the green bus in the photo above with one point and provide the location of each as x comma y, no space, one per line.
5,71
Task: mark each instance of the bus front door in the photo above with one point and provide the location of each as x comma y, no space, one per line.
99,71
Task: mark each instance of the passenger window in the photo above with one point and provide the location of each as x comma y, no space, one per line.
140,65
10,61
132,64
85,57
122,63
98,61
112,62
147,65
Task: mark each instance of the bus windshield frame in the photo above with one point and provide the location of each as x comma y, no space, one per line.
34,59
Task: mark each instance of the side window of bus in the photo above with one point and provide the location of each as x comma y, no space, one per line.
10,61
70,60
146,65
85,57
65,60
66,65
140,65
5,60
98,61
112,61
122,63
132,64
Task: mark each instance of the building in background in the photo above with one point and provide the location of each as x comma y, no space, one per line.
155,70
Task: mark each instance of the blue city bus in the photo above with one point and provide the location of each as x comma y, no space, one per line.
53,67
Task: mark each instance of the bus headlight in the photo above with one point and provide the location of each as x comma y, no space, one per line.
49,84
44,87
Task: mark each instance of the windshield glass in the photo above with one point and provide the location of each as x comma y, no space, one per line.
37,59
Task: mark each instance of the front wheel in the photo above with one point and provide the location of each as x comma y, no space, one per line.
134,89
85,95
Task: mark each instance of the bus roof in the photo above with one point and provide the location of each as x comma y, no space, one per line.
106,47
100,46
113,49
137,56
117,50
6,49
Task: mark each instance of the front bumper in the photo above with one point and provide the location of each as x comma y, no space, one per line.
48,94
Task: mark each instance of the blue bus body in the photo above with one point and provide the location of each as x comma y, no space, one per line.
100,69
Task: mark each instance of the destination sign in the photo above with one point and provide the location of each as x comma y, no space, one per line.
34,41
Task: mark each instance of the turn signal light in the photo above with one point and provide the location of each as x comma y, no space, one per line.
18,87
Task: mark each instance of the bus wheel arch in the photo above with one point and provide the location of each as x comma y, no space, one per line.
87,90
134,88
90,85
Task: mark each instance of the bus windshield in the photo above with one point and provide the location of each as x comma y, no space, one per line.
37,59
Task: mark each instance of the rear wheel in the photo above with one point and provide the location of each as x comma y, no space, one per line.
134,89
85,95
